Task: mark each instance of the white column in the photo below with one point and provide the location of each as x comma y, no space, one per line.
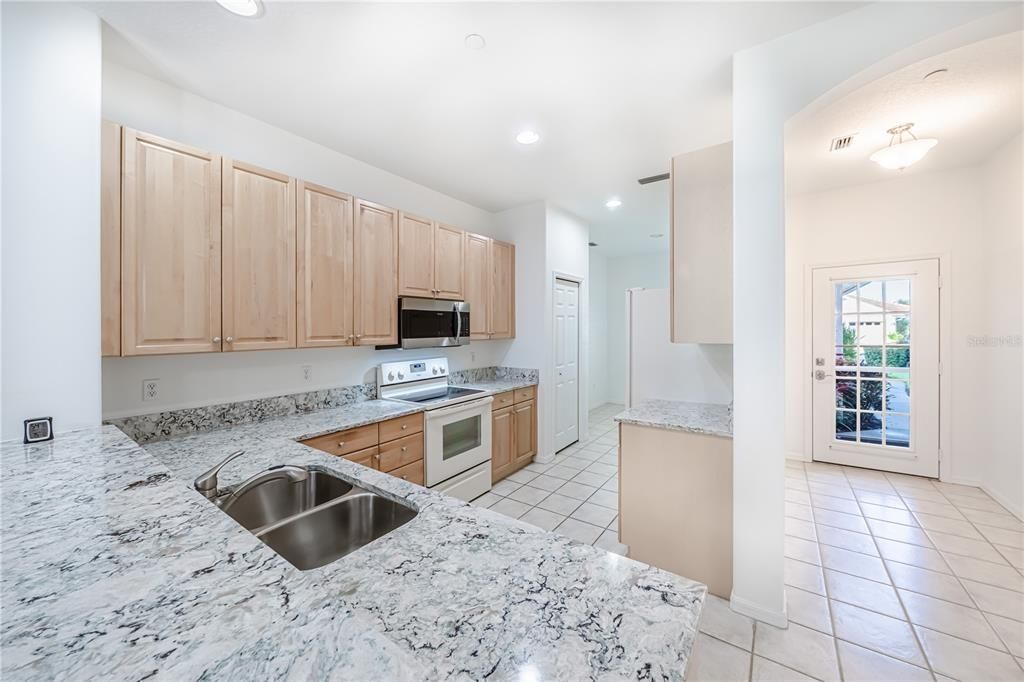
52,62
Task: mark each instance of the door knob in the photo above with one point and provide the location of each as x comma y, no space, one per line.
820,375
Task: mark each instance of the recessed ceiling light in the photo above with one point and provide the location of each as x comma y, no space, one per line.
243,8
527,137
658,235
613,203
475,41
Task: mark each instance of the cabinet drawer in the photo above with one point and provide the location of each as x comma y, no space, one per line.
344,442
403,426
528,393
410,472
367,457
506,399
400,452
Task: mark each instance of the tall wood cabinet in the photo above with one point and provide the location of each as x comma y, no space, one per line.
110,239
325,267
170,247
513,431
490,287
204,254
258,258
376,275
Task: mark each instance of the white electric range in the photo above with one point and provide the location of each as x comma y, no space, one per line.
456,425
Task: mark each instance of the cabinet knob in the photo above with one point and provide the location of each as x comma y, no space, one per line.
359,336
405,426
341,444
405,449
405,478
216,339
230,339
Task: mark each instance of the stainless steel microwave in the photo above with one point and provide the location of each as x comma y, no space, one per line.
432,323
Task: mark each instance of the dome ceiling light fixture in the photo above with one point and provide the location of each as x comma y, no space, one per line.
243,8
900,154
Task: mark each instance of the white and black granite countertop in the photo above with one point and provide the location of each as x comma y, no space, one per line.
114,567
676,415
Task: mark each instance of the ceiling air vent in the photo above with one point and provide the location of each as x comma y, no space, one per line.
841,142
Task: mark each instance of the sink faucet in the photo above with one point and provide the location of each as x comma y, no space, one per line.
206,483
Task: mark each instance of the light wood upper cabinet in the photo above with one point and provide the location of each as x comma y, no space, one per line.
449,263
170,247
259,258
376,274
701,246
478,285
325,267
415,256
110,238
503,291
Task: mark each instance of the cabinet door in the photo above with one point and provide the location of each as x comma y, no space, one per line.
478,285
449,263
259,258
502,443
170,247
110,239
415,256
376,274
503,291
525,430
324,266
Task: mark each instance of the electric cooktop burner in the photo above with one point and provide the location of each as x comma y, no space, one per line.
448,393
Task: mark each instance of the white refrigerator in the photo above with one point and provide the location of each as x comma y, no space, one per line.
657,369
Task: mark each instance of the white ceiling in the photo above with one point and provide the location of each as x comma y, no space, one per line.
971,109
614,90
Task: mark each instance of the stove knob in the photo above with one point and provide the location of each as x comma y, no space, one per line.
434,370
442,370
391,376
401,376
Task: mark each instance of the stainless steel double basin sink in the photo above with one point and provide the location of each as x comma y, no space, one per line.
311,517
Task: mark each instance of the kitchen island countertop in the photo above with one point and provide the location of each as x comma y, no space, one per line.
113,564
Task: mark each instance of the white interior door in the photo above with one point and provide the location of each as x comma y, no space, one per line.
875,372
567,362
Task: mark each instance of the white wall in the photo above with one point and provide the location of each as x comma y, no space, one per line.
649,271
51,206
142,102
568,253
598,330
1002,182
765,95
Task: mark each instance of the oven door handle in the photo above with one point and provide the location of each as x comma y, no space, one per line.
460,407
458,321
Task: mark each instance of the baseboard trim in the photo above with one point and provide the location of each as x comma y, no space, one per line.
798,456
957,480
779,619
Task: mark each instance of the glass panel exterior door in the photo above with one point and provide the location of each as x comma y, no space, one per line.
875,374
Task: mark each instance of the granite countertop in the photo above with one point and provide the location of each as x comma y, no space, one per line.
709,418
113,563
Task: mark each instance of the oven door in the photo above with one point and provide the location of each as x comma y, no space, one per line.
457,438
430,323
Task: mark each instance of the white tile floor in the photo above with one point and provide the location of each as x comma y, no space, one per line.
888,577
576,494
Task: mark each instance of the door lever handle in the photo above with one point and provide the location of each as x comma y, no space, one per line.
820,375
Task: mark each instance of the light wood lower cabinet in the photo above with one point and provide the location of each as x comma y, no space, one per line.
394,446
674,484
170,247
513,432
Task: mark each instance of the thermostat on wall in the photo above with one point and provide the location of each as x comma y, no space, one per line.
38,430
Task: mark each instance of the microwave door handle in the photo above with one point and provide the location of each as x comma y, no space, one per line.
458,321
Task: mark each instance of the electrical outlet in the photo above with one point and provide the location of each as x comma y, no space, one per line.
150,389
307,373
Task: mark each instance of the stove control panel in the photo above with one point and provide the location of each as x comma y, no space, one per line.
406,371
